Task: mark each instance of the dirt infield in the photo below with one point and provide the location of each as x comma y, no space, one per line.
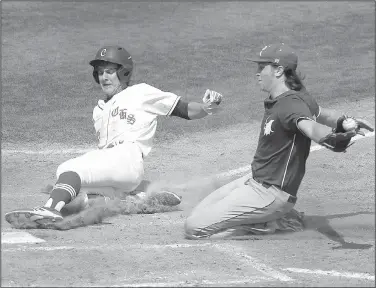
185,48
337,248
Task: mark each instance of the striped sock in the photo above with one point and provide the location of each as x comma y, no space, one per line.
65,190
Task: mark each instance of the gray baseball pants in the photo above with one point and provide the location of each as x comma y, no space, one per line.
238,204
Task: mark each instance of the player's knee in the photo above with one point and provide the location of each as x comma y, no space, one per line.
64,167
127,181
188,229
67,166
191,228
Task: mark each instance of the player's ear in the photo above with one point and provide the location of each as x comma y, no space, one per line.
278,71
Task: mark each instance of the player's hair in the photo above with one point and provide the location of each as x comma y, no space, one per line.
294,79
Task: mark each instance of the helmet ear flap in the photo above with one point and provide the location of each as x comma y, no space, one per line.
124,74
95,75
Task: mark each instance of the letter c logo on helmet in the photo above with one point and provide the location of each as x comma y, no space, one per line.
262,50
103,52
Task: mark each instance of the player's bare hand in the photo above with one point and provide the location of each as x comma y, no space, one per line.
211,100
363,124
353,124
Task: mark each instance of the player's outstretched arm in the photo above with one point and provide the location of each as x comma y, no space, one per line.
330,117
313,130
198,110
195,110
337,140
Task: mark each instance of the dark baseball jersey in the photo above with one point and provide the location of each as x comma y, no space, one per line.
282,150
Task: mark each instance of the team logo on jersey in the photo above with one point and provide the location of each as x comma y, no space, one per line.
104,51
123,113
115,112
268,127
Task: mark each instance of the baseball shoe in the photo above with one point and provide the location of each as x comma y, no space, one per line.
37,218
167,198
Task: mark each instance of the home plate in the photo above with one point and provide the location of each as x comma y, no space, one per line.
19,237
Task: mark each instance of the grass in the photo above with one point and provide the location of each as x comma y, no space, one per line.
48,92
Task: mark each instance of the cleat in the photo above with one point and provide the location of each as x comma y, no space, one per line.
167,198
37,218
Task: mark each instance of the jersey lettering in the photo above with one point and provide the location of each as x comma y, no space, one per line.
115,112
131,119
134,117
123,113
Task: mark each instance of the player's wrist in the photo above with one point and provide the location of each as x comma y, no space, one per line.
210,108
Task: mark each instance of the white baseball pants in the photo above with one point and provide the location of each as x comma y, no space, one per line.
118,168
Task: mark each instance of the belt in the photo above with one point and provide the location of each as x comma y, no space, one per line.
112,145
291,199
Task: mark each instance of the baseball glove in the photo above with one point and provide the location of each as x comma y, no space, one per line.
339,140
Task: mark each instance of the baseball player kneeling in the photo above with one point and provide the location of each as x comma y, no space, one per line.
125,124
261,200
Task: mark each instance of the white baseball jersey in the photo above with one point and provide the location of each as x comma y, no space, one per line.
131,116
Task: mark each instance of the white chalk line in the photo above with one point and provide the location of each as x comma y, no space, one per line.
48,151
232,250
364,276
108,247
191,283
19,237
85,150
228,249
271,273
12,196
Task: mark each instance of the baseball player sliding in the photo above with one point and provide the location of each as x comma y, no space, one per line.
125,124
259,201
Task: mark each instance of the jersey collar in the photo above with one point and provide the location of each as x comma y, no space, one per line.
268,102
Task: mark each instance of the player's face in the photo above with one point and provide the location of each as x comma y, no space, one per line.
108,78
265,76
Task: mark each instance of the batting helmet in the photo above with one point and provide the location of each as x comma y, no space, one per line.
117,55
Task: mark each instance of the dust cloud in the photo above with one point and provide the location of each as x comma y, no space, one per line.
191,191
